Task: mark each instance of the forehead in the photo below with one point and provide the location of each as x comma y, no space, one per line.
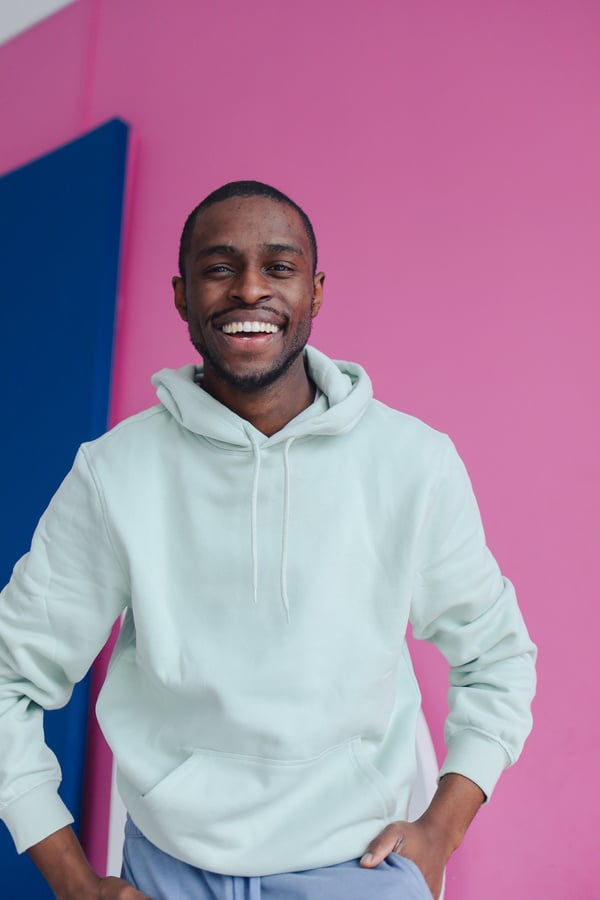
250,221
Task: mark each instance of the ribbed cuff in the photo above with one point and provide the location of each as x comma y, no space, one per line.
35,815
477,757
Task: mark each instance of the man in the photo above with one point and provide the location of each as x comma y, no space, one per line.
269,529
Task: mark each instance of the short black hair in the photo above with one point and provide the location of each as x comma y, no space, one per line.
242,189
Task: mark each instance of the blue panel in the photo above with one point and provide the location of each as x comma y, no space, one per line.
60,224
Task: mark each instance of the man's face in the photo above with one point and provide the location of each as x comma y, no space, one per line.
249,294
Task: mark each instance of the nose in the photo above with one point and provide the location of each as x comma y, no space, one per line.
251,286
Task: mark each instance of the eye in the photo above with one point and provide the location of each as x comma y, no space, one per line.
279,267
219,269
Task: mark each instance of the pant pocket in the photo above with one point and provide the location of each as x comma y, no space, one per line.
412,869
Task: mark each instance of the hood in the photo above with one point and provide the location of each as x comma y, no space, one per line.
345,392
345,386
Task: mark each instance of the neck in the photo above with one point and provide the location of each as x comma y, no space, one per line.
270,408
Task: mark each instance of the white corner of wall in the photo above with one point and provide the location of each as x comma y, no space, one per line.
17,16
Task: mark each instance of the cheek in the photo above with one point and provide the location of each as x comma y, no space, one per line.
195,317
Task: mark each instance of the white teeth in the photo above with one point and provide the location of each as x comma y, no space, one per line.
262,327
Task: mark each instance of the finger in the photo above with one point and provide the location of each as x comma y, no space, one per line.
387,842
112,888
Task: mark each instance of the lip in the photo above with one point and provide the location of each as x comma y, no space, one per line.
248,342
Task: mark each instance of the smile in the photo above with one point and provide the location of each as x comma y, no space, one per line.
249,327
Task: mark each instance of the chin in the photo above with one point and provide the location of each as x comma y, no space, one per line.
248,381
253,381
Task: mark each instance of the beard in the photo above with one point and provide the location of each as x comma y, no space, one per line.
247,383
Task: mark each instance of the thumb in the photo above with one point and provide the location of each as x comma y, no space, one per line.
385,843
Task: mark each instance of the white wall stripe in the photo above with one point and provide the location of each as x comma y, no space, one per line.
116,824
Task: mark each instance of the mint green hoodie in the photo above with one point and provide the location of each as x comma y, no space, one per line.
260,702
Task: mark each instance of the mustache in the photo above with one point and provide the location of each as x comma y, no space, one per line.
279,317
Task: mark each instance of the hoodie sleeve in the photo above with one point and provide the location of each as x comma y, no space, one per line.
56,613
464,605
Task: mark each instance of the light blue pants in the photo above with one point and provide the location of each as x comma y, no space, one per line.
163,877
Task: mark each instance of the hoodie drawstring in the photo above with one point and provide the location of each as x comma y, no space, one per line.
285,527
253,514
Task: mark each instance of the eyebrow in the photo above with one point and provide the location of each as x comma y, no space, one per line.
218,250
231,250
281,248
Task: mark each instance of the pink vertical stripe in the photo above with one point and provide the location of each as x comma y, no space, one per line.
98,768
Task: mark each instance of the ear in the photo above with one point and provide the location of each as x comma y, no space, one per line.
180,299
317,293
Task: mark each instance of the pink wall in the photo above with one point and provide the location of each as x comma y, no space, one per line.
448,154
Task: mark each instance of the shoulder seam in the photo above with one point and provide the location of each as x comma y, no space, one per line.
158,409
103,510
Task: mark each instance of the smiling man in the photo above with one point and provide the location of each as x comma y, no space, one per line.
269,530
248,290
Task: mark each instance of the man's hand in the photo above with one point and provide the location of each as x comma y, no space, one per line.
416,841
61,861
115,889
430,841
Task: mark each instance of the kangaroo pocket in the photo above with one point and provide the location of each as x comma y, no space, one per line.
249,815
